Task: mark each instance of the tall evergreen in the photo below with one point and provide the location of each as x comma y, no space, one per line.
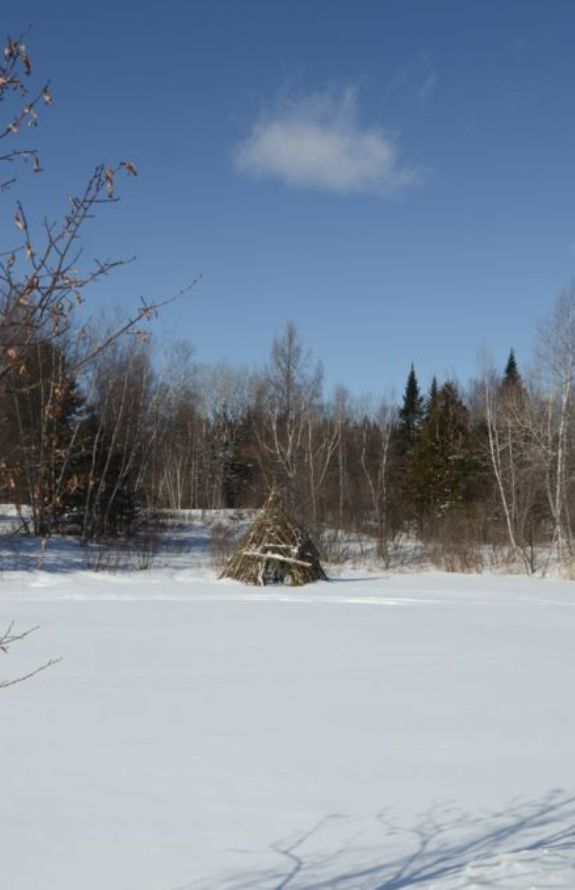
411,411
409,419
441,472
511,375
431,401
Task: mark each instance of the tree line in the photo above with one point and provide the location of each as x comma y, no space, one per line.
91,451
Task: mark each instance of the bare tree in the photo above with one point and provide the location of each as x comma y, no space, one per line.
225,397
501,453
518,454
290,391
43,280
376,435
557,364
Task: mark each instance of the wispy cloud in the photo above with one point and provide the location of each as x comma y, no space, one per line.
319,142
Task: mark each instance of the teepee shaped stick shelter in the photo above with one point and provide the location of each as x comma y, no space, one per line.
276,550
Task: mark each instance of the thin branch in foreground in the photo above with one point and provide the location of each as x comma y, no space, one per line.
6,640
5,683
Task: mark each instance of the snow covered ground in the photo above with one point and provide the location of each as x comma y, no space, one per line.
380,731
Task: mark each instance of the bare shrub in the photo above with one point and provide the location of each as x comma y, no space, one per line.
398,549
142,551
104,557
568,570
337,546
500,556
122,554
456,546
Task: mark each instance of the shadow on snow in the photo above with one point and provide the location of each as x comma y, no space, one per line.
518,846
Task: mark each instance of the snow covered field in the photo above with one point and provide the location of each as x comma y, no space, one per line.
380,731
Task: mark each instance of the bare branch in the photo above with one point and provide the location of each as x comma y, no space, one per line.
7,639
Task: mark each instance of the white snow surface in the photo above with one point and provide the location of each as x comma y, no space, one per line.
379,731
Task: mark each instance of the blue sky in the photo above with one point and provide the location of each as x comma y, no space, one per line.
396,177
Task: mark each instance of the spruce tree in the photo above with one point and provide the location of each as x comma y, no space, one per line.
405,435
431,401
511,375
441,472
411,411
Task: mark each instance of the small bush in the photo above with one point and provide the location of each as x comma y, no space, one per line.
455,545
123,554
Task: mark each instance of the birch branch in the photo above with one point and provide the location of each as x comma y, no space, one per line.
277,556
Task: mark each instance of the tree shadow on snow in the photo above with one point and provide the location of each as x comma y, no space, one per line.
525,845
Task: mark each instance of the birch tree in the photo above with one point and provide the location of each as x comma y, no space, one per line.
557,363
292,388
376,436
518,454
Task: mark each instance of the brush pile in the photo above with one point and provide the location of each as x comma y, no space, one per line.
276,550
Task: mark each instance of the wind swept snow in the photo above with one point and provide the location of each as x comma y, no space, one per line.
380,731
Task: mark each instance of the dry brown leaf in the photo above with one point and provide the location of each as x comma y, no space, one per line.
130,167
25,59
109,175
10,49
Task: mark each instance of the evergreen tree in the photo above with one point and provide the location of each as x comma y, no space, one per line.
441,472
411,411
511,375
431,401
404,437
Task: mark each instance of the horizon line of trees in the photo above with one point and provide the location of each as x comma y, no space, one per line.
91,451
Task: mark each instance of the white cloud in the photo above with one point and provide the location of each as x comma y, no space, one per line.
319,142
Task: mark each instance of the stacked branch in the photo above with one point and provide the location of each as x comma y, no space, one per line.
276,550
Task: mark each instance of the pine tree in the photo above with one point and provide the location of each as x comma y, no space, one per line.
404,437
411,411
431,401
441,472
511,375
